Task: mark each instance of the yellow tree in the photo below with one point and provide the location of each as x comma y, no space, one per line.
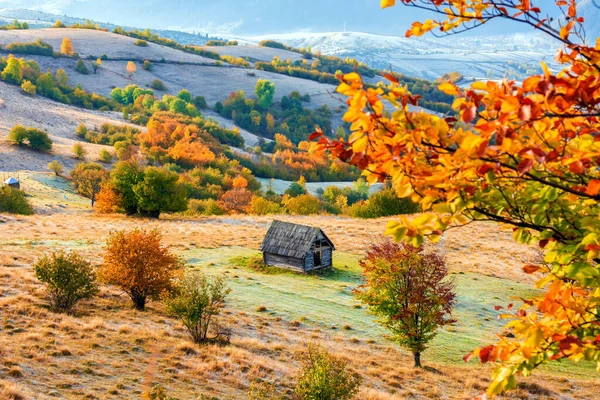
96,65
524,154
66,47
131,68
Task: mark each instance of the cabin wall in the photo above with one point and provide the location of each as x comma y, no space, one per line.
327,257
309,261
275,260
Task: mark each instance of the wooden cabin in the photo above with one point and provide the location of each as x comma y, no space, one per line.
13,183
297,247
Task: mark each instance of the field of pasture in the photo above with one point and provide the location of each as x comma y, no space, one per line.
108,350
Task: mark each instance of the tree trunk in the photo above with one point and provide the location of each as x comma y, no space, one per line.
417,358
139,302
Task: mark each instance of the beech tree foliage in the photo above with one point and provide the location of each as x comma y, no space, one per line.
523,154
140,265
409,289
66,47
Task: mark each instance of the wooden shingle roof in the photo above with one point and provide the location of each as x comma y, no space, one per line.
290,240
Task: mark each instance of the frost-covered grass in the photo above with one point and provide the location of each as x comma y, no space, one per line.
279,185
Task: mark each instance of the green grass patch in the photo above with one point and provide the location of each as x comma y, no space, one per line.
48,192
326,300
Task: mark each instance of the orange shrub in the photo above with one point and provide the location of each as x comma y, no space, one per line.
137,263
108,200
239,182
236,200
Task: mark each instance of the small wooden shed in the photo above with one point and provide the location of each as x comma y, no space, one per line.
13,182
297,247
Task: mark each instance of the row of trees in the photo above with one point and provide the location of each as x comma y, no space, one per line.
260,116
28,75
15,25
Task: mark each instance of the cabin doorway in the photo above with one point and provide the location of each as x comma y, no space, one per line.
317,258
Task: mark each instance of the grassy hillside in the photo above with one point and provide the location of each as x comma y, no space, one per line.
197,74
107,350
59,120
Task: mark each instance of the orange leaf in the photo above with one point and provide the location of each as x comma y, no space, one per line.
593,187
469,114
577,167
390,77
485,353
530,268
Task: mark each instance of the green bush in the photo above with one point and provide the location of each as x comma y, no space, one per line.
158,85
18,135
81,131
159,191
56,167
12,71
105,156
383,204
272,44
325,377
38,47
69,278
262,206
185,96
147,65
197,301
141,43
13,201
200,102
79,152
81,67
303,205
296,189
205,207
35,138
216,43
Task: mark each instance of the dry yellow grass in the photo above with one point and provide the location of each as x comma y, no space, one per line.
480,247
108,350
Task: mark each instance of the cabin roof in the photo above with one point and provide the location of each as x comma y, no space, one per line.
11,181
291,240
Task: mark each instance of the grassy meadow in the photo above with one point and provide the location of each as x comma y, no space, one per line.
107,350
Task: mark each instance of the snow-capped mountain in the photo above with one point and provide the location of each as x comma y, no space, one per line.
426,57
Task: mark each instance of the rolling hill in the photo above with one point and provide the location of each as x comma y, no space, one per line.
476,57
199,75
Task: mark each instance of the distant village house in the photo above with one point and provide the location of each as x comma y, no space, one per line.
297,247
13,183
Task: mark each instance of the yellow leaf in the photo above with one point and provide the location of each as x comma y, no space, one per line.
535,338
360,145
545,69
479,85
449,88
388,3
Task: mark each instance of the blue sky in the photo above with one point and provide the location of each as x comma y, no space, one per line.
251,16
